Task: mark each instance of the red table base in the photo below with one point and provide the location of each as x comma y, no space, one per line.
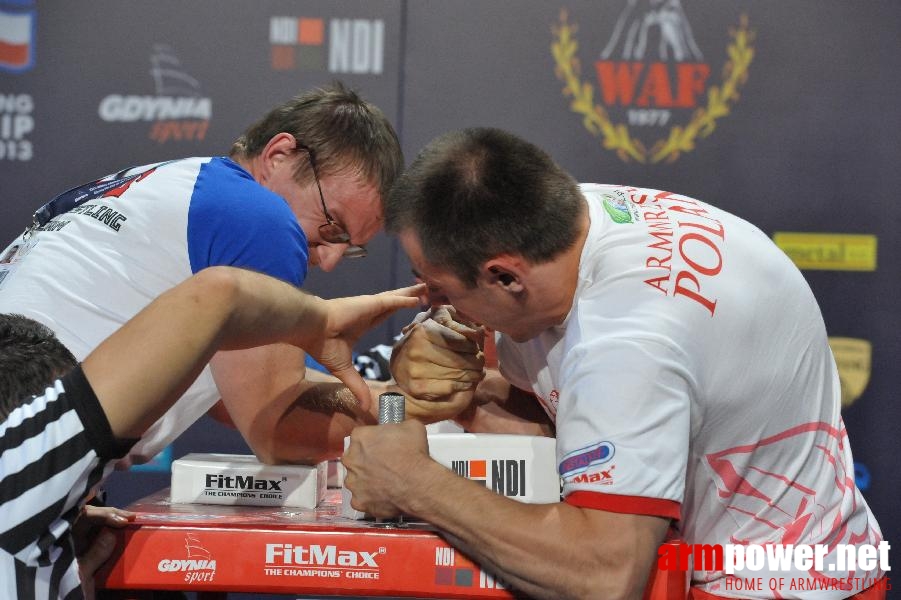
213,548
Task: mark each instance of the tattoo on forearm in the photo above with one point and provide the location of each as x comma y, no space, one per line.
329,398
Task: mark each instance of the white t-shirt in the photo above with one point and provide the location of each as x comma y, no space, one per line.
692,379
91,269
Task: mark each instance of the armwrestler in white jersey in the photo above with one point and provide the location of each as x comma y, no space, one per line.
679,354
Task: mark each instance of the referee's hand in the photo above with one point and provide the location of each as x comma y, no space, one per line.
94,542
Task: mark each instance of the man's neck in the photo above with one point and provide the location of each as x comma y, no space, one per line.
554,283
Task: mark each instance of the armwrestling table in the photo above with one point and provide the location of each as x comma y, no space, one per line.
212,550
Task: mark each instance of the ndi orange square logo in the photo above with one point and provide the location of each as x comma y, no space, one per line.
296,42
327,44
282,58
294,31
310,32
476,470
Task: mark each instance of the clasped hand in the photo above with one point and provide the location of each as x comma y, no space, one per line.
438,363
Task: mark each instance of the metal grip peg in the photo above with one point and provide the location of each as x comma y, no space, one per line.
391,408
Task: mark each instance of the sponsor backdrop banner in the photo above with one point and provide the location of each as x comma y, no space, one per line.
784,113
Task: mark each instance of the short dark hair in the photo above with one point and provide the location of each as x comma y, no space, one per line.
31,358
476,193
345,133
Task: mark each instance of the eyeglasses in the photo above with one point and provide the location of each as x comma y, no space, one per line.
331,231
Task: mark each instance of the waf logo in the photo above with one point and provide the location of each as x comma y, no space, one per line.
657,94
17,35
338,45
507,477
178,111
199,566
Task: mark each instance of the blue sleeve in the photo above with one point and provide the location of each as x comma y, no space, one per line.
235,221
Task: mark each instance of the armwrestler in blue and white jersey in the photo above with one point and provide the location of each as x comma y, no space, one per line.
302,186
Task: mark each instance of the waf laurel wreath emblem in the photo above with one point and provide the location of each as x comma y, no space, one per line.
649,93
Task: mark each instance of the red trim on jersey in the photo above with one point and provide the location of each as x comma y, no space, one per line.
633,505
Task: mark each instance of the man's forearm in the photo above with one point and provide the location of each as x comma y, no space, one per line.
179,332
549,551
499,407
286,412
546,550
154,357
315,427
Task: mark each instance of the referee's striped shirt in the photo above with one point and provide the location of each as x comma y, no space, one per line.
53,450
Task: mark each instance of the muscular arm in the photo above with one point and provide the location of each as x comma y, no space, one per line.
499,407
545,550
222,308
290,414
284,415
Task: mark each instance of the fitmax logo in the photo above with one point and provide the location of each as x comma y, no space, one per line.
320,556
239,482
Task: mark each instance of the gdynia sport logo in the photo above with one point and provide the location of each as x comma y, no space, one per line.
785,567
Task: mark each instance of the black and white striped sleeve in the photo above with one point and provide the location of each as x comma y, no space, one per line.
53,450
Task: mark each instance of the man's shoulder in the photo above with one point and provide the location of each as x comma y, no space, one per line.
225,183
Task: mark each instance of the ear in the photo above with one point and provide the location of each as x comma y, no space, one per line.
506,272
280,148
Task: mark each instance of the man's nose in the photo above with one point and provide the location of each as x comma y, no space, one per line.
329,255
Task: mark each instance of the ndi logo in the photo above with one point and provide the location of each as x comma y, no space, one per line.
508,477
345,46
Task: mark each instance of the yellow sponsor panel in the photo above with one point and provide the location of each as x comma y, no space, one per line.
853,356
829,251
